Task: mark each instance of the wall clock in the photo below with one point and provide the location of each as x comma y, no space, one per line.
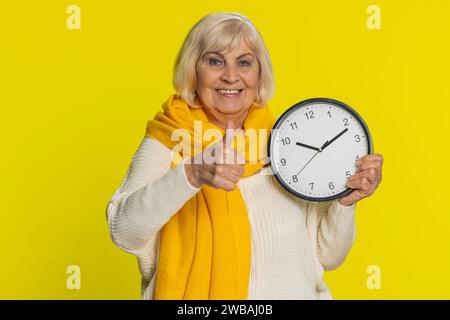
313,148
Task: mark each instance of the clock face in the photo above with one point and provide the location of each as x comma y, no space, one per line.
313,148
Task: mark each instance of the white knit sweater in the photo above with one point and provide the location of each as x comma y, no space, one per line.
292,241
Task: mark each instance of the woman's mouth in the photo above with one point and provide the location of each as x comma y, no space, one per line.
230,93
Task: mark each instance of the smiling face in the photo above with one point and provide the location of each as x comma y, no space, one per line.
227,84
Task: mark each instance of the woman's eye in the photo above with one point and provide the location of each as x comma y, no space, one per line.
244,63
215,62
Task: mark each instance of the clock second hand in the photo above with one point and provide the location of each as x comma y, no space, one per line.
320,150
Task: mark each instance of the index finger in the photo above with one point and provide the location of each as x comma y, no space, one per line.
374,161
370,158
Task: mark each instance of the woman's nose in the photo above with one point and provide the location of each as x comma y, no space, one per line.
230,74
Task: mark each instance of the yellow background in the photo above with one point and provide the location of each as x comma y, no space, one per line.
74,106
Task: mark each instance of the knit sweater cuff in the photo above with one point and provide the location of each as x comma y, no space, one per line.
340,207
186,180
164,197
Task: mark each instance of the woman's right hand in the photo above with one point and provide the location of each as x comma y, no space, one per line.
221,174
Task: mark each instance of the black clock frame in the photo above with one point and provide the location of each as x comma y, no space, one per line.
294,108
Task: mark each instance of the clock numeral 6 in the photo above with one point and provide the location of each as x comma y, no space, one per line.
286,141
347,174
331,185
294,178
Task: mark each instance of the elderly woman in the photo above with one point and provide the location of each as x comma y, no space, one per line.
221,230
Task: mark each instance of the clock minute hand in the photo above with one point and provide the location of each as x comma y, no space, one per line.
308,146
334,139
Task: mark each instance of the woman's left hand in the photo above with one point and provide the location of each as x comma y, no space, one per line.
366,179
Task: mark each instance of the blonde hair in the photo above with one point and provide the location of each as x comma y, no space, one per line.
217,32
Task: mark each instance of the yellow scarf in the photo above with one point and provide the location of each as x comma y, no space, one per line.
205,247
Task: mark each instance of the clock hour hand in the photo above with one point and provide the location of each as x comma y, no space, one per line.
308,146
326,144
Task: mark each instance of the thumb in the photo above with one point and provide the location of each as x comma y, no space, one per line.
228,137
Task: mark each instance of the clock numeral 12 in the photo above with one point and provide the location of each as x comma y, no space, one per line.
309,114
